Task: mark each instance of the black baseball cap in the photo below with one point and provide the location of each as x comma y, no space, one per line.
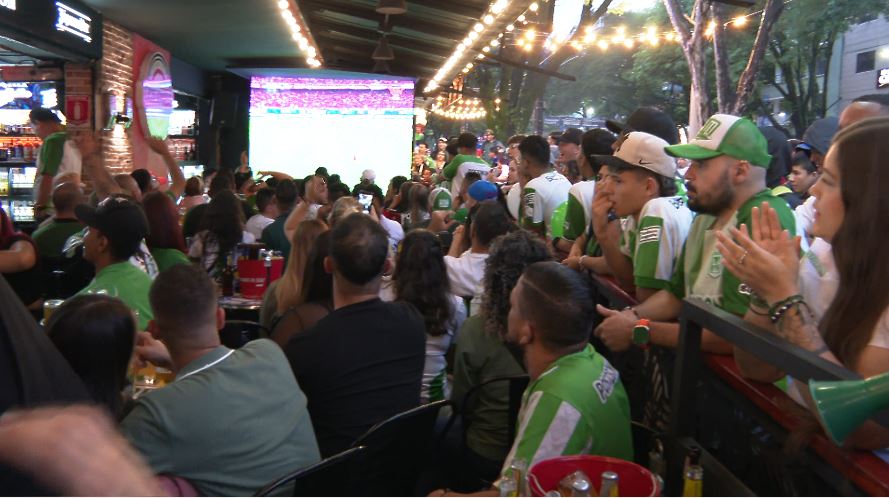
650,120
571,135
467,140
118,218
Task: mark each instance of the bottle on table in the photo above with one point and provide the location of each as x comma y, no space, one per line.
228,277
693,475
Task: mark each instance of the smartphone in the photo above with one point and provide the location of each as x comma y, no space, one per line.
365,200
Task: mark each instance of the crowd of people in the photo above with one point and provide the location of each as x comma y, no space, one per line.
473,266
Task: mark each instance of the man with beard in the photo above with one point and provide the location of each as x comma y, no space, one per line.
726,180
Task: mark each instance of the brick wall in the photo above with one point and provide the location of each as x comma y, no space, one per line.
115,75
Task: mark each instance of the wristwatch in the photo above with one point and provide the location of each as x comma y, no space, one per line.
642,334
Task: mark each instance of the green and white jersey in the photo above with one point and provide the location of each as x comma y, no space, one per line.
580,203
681,191
655,242
577,407
540,198
440,199
700,272
462,164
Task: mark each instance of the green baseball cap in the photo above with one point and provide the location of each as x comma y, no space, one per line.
727,135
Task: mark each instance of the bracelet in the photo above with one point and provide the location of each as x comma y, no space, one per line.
780,308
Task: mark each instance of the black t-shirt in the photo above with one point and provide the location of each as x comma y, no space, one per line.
358,366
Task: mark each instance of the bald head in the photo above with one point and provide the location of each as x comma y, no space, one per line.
64,197
869,106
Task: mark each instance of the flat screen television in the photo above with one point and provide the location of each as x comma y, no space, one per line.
346,122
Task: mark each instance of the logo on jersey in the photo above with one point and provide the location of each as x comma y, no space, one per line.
744,290
677,202
604,385
715,265
650,234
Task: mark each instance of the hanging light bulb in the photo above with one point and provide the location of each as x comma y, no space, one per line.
533,7
740,21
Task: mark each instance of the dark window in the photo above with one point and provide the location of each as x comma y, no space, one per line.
865,61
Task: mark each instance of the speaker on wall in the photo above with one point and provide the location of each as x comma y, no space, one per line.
224,110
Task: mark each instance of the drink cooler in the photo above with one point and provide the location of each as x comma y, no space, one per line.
635,480
254,278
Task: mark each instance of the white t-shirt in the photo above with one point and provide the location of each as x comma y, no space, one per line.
256,224
805,217
654,242
205,248
394,231
514,200
818,284
540,199
466,272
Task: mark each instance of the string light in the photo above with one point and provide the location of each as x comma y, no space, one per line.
740,22
533,7
295,22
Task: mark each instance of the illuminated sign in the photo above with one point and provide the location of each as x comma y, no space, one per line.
883,78
9,4
74,22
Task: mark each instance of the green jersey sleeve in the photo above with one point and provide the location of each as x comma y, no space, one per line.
575,219
450,170
652,261
51,154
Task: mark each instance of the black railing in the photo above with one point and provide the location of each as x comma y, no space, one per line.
797,362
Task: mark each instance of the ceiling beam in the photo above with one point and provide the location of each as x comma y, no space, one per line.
461,9
363,52
428,25
372,36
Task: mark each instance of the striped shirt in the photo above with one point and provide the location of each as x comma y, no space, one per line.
655,242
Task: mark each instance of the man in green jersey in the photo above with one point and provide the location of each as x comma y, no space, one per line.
464,162
116,229
725,181
575,403
57,159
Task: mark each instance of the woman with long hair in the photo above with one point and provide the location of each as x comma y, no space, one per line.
421,279
223,230
482,354
96,333
417,215
165,240
315,300
834,301
18,261
284,292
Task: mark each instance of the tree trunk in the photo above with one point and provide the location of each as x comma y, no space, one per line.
747,81
725,98
691,35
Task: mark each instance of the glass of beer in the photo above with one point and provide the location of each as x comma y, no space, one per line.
49,306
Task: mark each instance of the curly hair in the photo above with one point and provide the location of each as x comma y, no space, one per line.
421,278
508,257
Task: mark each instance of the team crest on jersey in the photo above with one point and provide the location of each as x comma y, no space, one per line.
715,265
604,385
677,202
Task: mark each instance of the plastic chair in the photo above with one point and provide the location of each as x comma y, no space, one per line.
517,385
398,448
237,333
332,476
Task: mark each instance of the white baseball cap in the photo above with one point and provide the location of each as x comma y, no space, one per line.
644,150
368,174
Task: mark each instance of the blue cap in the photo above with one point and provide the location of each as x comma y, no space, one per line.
483,190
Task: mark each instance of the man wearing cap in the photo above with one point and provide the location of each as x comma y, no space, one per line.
816,140
569,145
545,190
115,229
489,145
57,158
725,182
639,187
464,162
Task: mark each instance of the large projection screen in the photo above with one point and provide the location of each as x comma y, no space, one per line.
346,122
